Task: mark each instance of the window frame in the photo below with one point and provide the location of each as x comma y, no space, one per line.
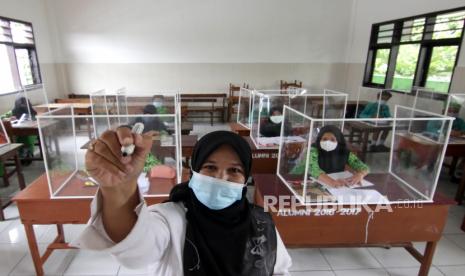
426,44
33,58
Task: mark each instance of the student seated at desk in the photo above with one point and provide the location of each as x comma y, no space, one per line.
433,129
329,155
23,107
458,126
370,111
151,123
157,101
271,126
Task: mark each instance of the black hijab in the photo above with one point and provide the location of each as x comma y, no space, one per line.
335,160
216,240
21,107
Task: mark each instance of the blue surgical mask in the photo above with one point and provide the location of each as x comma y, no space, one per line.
157,104
382,102
215,193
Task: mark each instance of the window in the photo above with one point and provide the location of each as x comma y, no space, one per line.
19,67
419,51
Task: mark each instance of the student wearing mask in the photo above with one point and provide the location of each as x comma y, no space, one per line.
371,111
151,123
271,126
207,226
458,126
158,101
23,109
329,154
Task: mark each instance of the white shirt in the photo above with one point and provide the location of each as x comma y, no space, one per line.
156,241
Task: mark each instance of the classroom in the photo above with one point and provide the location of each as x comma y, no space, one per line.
216,137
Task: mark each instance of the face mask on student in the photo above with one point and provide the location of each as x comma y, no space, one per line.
382,102
277,119
157,104
452,114
215,193
328,145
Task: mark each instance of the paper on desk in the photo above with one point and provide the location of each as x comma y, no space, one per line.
276,140
348,195
347,174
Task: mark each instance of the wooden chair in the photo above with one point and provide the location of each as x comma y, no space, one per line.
234,98
284,85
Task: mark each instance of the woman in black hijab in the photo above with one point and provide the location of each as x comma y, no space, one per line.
211,227
23,106
271,126
329,154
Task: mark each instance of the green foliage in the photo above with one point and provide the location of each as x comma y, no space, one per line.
150,161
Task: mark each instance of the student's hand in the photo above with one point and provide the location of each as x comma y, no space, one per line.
117,175
355,179
338,183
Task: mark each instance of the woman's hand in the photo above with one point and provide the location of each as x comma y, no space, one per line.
355,179
338,183
117,175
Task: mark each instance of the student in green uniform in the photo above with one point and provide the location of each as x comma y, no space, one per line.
458,126
157,101
329,155
433,129
24,106
370,111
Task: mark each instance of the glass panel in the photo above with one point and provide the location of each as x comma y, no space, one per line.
406,65
24,66
7,83
374,104
430,101
245,107
385,33
405,173
22,33
99,108
413,30
449,25
441,67
65,150
455,109
381,66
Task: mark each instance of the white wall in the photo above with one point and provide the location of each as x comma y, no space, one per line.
34,11
207,31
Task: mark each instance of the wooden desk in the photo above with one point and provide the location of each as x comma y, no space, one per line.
264,160
186,128
239,129
456,149
419,223
364,129
30,128
9,152
36,207
79,108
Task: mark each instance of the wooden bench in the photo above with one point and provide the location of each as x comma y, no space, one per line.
213,103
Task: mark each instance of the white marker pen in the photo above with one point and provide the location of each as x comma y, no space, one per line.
138,128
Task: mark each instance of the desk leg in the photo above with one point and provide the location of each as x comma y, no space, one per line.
427,258
19,171
34,249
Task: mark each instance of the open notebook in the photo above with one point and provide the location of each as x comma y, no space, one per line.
345,194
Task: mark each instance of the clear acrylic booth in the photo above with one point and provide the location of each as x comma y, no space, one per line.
64,148
408,173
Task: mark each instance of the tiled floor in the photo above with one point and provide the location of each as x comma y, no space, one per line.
449,258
